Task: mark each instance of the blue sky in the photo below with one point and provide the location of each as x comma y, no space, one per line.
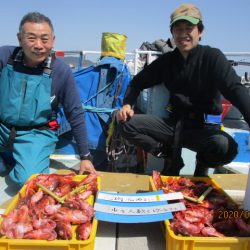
79,23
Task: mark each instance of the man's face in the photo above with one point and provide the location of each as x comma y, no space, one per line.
186,36
36,40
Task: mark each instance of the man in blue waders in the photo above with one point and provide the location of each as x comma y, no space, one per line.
196,77
32,85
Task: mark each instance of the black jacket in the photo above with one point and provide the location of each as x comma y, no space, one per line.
195,84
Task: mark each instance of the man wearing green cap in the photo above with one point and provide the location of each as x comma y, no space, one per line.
196,77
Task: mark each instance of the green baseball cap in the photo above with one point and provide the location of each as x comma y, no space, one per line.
188,12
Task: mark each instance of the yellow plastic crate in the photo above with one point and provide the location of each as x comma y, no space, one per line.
73,244
174,242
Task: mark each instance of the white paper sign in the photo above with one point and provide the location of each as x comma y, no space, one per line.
139,198
139,210
137,207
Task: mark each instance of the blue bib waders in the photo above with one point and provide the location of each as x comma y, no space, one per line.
24,110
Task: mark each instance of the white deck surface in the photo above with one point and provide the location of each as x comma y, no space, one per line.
143,236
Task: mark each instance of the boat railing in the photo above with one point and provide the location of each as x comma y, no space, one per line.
134,59
83,55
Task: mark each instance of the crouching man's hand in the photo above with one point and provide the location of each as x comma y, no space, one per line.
125,113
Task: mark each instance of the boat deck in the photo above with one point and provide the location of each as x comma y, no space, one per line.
144,236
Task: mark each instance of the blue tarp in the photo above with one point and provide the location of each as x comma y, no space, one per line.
101,88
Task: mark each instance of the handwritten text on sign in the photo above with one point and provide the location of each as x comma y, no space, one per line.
139,210
138,198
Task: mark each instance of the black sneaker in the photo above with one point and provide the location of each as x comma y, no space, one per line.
161,151
200,171
161,155
169,170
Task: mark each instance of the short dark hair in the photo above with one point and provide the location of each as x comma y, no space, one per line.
200,26
35,17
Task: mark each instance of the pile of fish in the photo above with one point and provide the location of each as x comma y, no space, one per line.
209,212
53,206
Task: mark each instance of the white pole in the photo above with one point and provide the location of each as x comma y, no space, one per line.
136,62
246,202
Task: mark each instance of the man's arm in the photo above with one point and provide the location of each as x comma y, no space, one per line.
69,98
231,87
150,76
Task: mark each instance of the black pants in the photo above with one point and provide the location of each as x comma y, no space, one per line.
214,147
